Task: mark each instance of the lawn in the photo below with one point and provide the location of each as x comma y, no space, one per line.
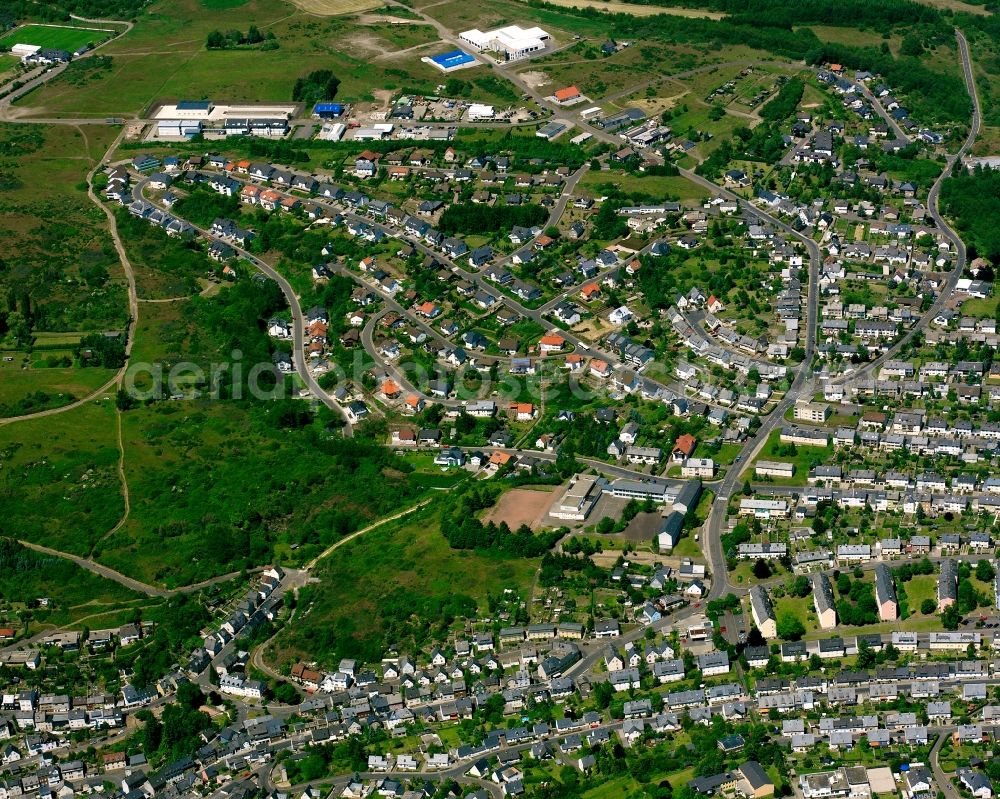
595,184
59,37
59,483
799,607
920,588
804,459
415,586
34,389
981,308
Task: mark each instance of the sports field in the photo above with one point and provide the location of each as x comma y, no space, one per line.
54,36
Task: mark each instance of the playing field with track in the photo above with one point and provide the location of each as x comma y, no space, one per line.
53,36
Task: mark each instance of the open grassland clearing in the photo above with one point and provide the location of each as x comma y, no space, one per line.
985,52
73,593
58,37
164,57
958,5
165,336
599,76
9,67
57,258
855,37
25,388
599,184
218,485
458,15
59,484
635,9
988,142
415,587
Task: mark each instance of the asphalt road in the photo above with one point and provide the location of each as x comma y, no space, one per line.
298,319
933,210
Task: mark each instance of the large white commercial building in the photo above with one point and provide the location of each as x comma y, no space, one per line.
513,42
578,499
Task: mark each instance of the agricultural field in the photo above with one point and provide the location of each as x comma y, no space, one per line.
419,585
58,37
66,272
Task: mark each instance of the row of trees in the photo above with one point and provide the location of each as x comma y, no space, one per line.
784,103
217,40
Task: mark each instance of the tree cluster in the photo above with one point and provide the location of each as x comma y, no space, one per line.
477,218
231,39
317,86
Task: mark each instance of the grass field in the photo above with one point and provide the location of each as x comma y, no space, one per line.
799,607
662,186
980,308
58,37
76,596
164,56
33,389
615,7
59,484
413,583
804,459
957,5
330,8
56,246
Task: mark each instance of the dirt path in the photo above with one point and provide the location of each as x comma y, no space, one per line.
311,564
133,303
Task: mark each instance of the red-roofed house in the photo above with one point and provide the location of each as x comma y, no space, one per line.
389,389
683,447
567,95
523,411
551,343
600,368
428,309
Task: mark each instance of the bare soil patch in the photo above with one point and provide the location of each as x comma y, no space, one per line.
614,7
521,506
333,8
